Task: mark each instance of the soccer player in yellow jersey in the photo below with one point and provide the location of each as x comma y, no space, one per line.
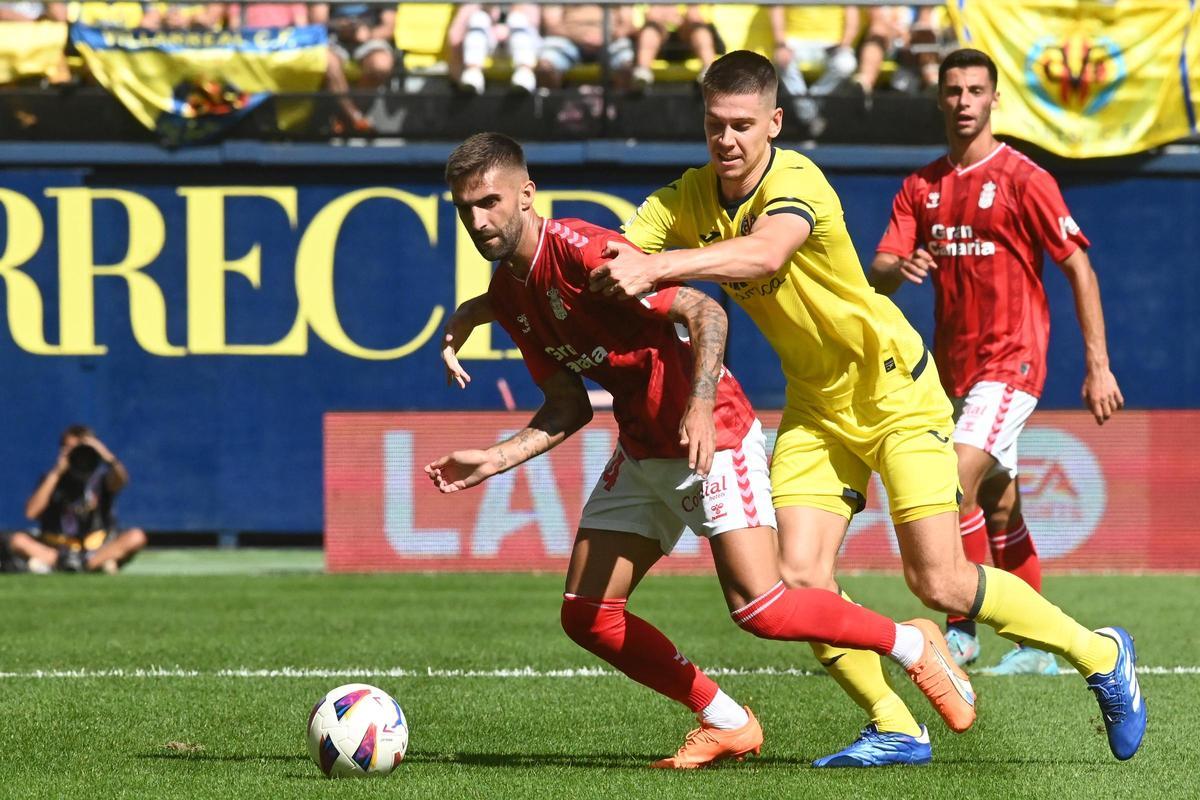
862,394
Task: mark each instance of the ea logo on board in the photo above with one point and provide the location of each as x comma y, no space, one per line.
1078,73
1063,491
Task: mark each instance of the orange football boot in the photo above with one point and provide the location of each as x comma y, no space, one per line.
706,745
941,680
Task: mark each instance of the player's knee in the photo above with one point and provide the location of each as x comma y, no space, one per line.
136,539
940,590
807,575
590,622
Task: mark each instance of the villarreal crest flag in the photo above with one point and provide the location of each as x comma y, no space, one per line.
1087,78
192,86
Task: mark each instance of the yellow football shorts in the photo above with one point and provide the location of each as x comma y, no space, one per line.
824,458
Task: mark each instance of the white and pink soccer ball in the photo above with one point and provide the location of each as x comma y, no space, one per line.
356,731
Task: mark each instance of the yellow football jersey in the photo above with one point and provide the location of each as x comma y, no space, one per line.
839,342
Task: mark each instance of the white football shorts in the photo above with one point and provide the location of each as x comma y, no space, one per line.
991,417
660,498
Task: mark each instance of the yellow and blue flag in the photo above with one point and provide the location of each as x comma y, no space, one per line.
192,86
1087,78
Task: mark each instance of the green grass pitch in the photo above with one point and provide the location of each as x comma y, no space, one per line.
104,732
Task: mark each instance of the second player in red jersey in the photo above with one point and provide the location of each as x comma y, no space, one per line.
976,222
986,225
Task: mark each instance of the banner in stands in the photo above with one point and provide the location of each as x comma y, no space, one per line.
1118,497
1086,78
190,86
33,50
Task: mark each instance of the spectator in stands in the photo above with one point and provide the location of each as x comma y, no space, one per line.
31,12
362,37
350,118
183,16
574,34
819,37
676,34
73,507
107,15
906,36
479,31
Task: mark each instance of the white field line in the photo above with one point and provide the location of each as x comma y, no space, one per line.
430,672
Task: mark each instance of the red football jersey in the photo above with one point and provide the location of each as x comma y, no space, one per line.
986,226
629,346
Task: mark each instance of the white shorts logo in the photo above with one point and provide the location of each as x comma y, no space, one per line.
1063,492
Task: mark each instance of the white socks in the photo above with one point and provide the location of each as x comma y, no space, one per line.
910,644
724,713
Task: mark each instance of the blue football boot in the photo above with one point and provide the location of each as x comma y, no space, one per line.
874,748
1120,697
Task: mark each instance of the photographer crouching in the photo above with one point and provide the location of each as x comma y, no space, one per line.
73,508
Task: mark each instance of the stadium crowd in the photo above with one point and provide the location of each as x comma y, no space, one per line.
431,47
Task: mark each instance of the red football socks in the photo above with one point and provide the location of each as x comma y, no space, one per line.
1013,551
635,647
816,615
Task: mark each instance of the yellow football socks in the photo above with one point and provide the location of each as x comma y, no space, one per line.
1017,612
861,675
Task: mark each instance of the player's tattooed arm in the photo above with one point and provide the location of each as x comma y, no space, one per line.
466,318
707,327
565,410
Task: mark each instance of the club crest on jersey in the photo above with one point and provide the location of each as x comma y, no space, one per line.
987,195
524,320
556,304
934,199
747,223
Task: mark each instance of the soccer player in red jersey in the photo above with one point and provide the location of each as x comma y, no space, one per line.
690,453
976,222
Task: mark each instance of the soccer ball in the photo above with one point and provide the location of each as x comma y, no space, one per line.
357,730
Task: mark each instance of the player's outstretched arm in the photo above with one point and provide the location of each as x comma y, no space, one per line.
771,244
708,327
1101,394
889,271
466,318
565,410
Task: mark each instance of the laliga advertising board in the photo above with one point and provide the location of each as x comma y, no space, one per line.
1093,497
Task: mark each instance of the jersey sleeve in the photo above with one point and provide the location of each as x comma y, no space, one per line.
1046,213
653,304
540,365
796,191
900,238
650,227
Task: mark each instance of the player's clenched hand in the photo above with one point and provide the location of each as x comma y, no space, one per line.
697,431
1101,394
460,470
917,267
628,273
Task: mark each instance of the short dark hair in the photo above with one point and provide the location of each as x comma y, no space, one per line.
967,57
76,431
741,72
482,153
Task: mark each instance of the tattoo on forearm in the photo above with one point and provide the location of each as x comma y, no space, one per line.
707,327
552,424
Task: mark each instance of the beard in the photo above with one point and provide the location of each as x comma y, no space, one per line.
505,243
